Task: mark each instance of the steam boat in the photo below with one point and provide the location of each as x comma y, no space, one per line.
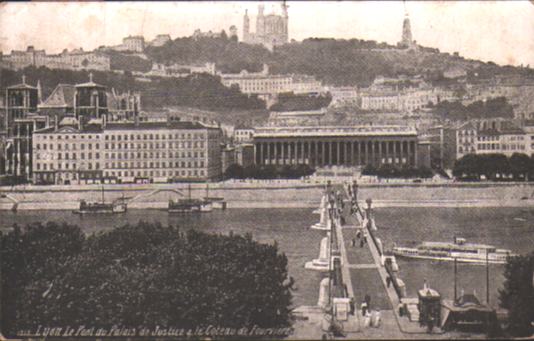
190,205
117,206
459,249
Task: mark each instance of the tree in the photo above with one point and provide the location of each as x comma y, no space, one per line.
234,171
369,169
520,165
142,275
517,294
31,260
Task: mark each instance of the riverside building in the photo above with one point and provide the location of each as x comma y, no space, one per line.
336,146
74,152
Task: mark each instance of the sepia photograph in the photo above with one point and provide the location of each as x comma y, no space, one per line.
266,170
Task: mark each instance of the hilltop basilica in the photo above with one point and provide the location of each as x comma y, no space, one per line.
271,29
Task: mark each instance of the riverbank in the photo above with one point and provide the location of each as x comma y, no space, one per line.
271,194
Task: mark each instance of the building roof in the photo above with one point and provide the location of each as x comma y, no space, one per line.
69,129
488,132
512,131
90,84
22,85
242,125
338,131
156,125
467,126
61,97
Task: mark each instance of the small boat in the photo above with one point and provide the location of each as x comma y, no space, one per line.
184,206
459,250
190,205
213,202
117,206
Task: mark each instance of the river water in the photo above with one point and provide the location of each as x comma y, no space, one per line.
511,228
508,228
288,227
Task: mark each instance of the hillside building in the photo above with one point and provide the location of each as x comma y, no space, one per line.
344,96
266,85
271,29
131,44
74,60
243,133
402,94
160,40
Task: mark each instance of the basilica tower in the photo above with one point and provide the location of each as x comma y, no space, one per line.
260,23
246,28
407,39
286,22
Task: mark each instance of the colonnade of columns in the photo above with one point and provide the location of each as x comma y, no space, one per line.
336,152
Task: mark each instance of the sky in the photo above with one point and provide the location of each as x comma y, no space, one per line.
498,31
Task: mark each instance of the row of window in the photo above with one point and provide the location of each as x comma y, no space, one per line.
66,165
488,146
513,147
154,154
145,173
122,165
157,164
66,146
150,145
124,137
145,145
488,138
466,140
466,149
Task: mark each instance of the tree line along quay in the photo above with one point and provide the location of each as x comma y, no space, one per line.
495,166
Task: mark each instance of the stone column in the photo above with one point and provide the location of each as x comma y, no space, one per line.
283,152
358,154
268,152
415,153
338,153
370,147
257,153
262,159
303,147
350,155
401,151
396,157
296,151
380,153
330,158
276,152
323,152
